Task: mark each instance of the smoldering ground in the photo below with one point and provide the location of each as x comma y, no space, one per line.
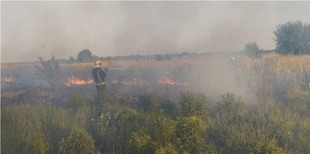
211,76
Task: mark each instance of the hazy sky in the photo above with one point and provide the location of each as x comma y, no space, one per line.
32,29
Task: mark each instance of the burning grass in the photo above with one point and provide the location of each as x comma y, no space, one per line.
75,81
171,82
287,76
8,80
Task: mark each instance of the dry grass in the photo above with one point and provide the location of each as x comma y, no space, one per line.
286,75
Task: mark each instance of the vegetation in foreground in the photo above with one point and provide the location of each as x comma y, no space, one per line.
191,124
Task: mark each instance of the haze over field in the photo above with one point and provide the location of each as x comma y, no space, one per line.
62,29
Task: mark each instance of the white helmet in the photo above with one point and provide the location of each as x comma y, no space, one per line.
98,62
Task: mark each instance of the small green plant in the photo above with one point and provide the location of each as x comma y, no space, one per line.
77,102
270,147
148,102
141,143
42,144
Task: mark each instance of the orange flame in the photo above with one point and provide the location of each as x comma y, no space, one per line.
76,81
8,80
170,82
115,81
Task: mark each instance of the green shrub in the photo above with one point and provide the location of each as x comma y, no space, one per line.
190,132
79,141
194,105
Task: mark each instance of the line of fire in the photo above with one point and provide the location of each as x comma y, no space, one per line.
76,81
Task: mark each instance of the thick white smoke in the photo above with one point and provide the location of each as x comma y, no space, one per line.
62,29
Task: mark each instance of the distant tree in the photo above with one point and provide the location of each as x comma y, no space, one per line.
94,58
71,59
251,50
161,57
137,57
84,56
292,37
109,58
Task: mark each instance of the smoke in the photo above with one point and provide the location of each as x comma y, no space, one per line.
62,29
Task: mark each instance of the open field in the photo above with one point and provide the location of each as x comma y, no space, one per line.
147,101
211,76
287,76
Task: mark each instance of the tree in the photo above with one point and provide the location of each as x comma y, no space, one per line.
84,56
251,50
71,59
162,57
292,37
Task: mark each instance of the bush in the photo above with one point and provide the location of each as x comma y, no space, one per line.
194,105
191,132
171,108
79,141
148,102
251,50
262,147
141,144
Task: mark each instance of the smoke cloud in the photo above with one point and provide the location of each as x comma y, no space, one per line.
62,29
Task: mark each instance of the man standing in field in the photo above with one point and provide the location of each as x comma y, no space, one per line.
99,77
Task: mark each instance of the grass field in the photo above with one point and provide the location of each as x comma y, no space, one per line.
174,106
286,76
